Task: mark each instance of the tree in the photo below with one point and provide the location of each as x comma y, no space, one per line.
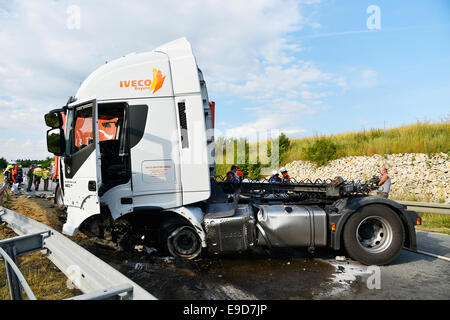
3,163
283,146
284,143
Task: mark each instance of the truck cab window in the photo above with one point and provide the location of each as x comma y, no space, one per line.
115,165
82,131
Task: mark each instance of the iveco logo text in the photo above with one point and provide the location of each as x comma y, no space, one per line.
146,84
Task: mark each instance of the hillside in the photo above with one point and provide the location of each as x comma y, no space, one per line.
423,138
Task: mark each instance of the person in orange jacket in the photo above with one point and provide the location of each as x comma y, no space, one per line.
284,172
14,173
239,173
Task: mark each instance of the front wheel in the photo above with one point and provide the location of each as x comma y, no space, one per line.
374,235
182,241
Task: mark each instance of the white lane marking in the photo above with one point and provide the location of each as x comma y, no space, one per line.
430,254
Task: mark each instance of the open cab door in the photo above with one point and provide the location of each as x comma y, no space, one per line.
81,165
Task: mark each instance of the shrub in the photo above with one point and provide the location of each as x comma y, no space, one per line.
321,151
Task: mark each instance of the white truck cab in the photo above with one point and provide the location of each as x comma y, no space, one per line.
155,158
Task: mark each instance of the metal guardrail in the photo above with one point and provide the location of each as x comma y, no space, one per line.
95,278
9,250
427,207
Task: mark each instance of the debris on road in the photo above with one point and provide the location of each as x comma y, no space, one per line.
149,250
340,269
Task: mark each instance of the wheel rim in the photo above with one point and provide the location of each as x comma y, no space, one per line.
374,234
184,242
59,198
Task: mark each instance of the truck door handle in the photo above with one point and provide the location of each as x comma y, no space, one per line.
92,185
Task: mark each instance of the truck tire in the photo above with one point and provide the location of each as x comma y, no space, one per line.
181,240
374,235
59,201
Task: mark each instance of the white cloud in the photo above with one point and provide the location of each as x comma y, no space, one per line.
369,78
361,78
14,149
265,124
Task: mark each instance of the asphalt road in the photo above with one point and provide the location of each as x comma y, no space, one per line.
411,276
433,242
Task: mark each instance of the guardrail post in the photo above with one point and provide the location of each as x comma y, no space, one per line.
13,282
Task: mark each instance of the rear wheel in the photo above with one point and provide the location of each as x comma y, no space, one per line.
181,240
374,235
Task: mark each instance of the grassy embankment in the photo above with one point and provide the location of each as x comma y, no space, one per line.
435,223
417,138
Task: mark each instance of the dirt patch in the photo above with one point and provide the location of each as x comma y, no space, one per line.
39,209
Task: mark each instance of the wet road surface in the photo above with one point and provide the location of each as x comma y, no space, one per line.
287,274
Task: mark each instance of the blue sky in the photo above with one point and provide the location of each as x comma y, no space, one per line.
407,64
303,67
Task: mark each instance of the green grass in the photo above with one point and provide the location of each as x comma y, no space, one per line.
435,223
420,137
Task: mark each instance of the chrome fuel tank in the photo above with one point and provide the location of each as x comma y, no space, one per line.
291,226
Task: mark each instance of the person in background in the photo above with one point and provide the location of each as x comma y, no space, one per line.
234,170
231,177
285,176
37,177
46,176
7,174
20,175
239,173
275,177
14,173
30,178
385,183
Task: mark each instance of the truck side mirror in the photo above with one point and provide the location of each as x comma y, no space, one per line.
53,120
55,141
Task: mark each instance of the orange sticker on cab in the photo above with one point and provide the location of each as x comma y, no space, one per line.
146,84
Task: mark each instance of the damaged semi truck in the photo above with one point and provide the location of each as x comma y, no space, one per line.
151,179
